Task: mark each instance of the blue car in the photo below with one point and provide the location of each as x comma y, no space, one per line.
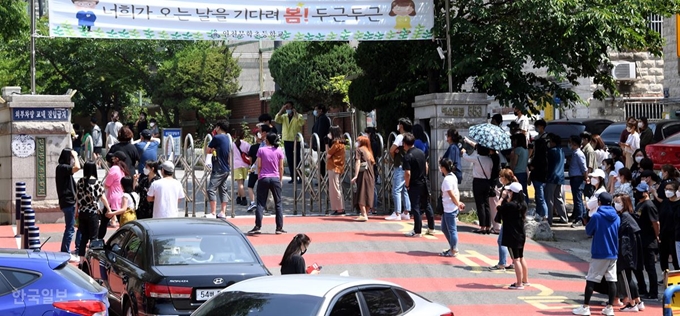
44,283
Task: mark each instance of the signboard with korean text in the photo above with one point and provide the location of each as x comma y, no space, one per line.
176,135
40,114
311,20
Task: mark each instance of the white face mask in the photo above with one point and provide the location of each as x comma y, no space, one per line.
259,135
643,181
638,159
595,181
330,136
356,144
146,171
152,124
618,206
670,194
640,125
398,126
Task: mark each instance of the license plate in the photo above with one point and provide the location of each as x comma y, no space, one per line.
205,294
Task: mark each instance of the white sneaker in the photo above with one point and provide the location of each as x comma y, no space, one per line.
430,231
629,309
208,215
405,216
393,217
74,258
581,310
608,311
640,306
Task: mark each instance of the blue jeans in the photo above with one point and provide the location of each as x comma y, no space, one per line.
522,179
399,191
450,229
576,183
502,250
539,199
69,229
79,237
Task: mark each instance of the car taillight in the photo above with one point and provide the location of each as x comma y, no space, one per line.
448,314
84,308
164,291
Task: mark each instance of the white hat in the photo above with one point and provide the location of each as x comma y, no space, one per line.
168,166
514,187
598,173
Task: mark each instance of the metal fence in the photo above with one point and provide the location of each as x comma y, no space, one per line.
311,195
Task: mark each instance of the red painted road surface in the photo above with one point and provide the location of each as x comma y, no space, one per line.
379,249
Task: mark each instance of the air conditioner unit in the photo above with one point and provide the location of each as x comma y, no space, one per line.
624,71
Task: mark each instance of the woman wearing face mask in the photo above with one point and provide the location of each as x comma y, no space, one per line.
292,261
630,255
597,181
668,174
451,204
150,174
513,211
626,185
666,232
506,177
632,143
335,157
638,155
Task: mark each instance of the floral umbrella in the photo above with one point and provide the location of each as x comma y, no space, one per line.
490,136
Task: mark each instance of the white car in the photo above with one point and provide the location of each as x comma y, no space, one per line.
318,295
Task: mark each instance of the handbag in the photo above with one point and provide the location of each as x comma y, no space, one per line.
492,187
244,156
130,214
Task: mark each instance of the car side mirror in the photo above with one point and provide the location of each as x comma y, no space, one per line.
115,248
111,256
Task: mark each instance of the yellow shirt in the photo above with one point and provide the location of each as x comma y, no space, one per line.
290,127
403,22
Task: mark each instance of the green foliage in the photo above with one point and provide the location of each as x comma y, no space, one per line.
247,133
394,73
201,78
570,38
303,71
339,85
14,19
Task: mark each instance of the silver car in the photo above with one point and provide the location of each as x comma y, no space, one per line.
318,295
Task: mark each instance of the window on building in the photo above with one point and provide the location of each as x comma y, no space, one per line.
655,23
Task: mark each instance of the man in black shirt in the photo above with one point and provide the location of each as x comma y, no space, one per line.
322,126
66,192
648,220
415,179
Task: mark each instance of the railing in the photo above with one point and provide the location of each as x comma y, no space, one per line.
652,110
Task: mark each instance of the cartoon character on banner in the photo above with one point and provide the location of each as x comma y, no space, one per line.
403,10
85,15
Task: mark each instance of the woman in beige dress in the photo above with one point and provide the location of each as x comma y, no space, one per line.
335,165
363,176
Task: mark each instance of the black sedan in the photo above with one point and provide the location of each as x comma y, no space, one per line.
662,129
171,266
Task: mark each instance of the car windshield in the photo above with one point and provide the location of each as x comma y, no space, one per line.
565,131
201,249
260,304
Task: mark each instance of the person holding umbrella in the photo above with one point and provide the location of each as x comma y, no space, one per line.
486,167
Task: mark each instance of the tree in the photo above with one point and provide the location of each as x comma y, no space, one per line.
201,78
14,21
493,40
392,84
303,71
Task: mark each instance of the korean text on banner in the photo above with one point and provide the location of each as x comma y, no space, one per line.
312,20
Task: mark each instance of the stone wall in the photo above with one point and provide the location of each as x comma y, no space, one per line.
670,51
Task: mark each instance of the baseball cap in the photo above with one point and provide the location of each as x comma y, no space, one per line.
146,133
605,198
598,173
168,166
514,187
642,187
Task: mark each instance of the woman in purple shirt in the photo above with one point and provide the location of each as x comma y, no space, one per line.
270,177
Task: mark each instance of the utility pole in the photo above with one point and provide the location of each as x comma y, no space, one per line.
447,8
32,9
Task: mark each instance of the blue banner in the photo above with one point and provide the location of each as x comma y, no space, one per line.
40,114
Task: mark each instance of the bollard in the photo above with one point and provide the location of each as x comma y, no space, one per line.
20,190
33,237
29,222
